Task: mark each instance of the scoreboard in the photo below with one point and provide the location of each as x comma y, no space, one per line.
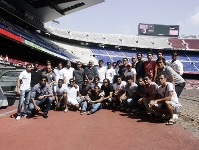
158,30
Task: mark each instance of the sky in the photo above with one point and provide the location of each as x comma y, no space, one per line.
123,16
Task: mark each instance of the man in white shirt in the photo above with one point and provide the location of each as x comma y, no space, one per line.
168,97
130,71
119,91
68,72
72,91
59,72
110,72
101,70
23,89
60,94
175,64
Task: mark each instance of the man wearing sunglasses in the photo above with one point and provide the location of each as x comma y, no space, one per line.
150,89
175,64
41,97
72,91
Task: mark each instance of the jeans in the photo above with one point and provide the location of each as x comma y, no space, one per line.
179,88
131,102
43,103
23,94
94,106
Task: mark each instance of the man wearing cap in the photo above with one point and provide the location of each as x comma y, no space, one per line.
130,71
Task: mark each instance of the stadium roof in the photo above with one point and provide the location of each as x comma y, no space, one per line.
48,10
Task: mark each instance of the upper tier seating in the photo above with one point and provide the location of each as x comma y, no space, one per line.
176,43
192,43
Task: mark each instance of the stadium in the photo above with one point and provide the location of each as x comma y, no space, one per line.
24,39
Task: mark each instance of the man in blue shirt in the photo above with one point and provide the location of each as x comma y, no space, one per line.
41,97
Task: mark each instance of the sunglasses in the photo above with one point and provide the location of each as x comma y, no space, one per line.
133,58
78,64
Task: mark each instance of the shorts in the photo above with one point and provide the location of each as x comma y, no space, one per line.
72,101
176,107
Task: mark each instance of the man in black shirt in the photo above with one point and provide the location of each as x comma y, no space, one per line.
139,66
107,88
35,74
123,68
93,99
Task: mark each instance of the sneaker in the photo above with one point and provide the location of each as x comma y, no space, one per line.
89,113
45,116
24,116
82,112
66,110
18,117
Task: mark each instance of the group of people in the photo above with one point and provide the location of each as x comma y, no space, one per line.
138,86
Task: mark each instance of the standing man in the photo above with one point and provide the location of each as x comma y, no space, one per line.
35,74
78,74
172,76
110,72
41,97
150,66
23,89
175,64
50,75
101,70
123,68
134,61
59,72
68,72
140,70
130,71
90,72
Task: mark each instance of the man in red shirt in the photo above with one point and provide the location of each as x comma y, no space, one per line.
150,66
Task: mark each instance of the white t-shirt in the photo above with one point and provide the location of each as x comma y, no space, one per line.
72,93
99,84
110,73
101,73
60,91
117,87
132,72
177,65
164,92
59,74
68,73
26,79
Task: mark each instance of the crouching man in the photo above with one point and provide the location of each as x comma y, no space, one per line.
41,97
167,102
60,95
